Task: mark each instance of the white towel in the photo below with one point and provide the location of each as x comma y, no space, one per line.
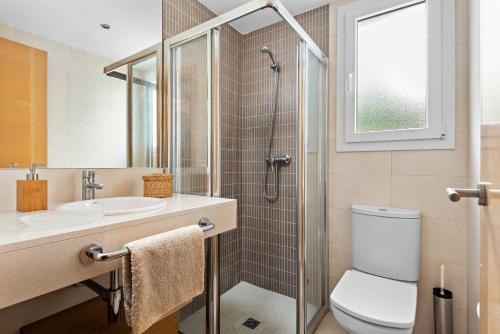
162,273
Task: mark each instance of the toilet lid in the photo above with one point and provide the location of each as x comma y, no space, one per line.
376,300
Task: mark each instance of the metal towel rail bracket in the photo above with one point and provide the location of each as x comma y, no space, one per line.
455,194
113,295
92,252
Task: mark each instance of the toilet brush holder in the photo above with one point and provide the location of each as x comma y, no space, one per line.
443,311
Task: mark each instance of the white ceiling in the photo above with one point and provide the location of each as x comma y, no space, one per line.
135,24
263,18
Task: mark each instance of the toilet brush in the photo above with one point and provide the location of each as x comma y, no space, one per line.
443,307
442,279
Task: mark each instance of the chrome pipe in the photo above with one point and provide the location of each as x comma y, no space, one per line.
214,287
114,296
111,296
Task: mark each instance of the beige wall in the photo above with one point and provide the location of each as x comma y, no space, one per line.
408,179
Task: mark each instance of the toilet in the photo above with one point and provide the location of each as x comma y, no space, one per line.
379,294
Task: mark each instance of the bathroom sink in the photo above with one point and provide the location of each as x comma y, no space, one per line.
88,212
113,206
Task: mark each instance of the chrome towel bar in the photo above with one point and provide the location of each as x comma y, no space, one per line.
92,252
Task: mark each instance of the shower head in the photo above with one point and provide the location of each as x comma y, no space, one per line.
267,50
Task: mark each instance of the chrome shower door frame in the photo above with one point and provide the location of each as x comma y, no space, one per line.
303,327
214,155
156,51
306,43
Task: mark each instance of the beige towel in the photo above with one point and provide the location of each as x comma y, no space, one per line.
162,273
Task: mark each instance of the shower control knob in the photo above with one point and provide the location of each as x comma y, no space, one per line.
283,160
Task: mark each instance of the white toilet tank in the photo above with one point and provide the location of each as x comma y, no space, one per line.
386,242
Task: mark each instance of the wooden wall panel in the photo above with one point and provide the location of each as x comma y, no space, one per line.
23,104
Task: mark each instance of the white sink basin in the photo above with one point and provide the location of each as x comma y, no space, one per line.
88,212
113,206
54,220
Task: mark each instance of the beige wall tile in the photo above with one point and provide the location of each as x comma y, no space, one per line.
352,189
330,190
332,100
428,194
362,163
462,65
433,162
342,231
462,110
342,258
444,240
331,155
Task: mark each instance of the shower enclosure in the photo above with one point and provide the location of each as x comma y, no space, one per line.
142,73
235,128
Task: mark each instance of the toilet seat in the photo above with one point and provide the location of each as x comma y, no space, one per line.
357,326
376,300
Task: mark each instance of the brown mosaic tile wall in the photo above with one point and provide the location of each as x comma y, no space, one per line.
261,250
269,258
231,79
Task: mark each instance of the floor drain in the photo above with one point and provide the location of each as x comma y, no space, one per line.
251,323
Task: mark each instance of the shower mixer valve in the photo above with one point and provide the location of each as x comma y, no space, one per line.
279,160
274,164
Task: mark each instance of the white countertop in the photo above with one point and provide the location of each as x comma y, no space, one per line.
15,235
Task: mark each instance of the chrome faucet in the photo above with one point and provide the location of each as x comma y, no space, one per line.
88,185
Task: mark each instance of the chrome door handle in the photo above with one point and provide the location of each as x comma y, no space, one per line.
455,194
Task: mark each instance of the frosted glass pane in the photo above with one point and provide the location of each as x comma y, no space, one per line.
392,71
191,114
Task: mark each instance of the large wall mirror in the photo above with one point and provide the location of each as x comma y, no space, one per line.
79,83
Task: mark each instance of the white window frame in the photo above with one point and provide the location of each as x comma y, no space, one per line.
440,132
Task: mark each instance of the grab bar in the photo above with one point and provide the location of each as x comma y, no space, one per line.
92,252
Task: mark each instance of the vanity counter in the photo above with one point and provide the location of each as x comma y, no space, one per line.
35,260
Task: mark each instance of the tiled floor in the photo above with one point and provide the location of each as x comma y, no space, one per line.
329,326
275,312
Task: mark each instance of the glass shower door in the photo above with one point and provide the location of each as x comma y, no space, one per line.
190,149
312,189
191,116
143,125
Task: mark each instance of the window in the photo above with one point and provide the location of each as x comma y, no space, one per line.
395,75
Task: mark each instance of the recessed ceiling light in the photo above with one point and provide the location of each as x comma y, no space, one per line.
105,26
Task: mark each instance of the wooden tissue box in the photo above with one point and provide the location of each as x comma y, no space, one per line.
158,185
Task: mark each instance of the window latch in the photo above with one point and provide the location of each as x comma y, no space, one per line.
349,82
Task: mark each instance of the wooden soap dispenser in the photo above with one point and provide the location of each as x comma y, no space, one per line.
32,192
